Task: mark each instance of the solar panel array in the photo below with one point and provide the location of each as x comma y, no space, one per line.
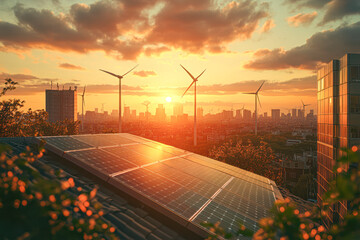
187,187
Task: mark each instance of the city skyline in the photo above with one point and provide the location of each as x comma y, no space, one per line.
248,53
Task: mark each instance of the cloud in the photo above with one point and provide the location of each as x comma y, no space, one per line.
268,25
319,48
309,3
144,73
70,66
334,9
17,77
125,29
198,26
302,19
338,9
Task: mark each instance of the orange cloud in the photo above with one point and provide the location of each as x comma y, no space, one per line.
319,48
268,25
125,29
144,73
302,19
70,66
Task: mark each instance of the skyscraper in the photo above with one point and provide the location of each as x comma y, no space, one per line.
338,122
178,109
275,114
61,104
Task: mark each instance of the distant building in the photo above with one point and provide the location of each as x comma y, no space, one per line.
238,114
301,113
200,112
247,114
227,115
275,114
160,113
338,122
127,114
265,115
178,109
61,104
293,113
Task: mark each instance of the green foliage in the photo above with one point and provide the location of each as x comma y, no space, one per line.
16,123
34,207
257,158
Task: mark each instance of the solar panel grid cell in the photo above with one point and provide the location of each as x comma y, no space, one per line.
66,143
199,171
102,160
232,170
248,208
228,218
190,182
171,194
247,190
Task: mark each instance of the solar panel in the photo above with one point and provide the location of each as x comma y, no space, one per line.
187,187
228,218
164,191
139,154
66,143
102,160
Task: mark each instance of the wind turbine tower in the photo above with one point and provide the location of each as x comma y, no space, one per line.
256,100
193,82
82,109
304,105
146,103
119,77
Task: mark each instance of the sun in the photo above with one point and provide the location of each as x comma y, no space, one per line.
168,99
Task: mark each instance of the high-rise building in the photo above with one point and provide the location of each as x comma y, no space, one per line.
301,113
265,115
338,122
275,114
61,104
293,113
178,109
238,114
127,114
247,114
160,113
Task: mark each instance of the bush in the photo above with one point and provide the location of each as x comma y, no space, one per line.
34,207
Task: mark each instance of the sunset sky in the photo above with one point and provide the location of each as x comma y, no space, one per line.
239,43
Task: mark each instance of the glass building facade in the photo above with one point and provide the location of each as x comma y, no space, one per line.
338,122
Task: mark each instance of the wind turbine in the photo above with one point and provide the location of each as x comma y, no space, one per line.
119,77
147,103
304,105
256,99
193,82
82,109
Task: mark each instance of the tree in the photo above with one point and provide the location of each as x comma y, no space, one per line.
35,207
258,159
14,122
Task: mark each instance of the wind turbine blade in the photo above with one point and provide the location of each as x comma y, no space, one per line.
258,100
113,74
260,87
130,70
188,73
200,74
248,93
302,102
84,91
188,88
